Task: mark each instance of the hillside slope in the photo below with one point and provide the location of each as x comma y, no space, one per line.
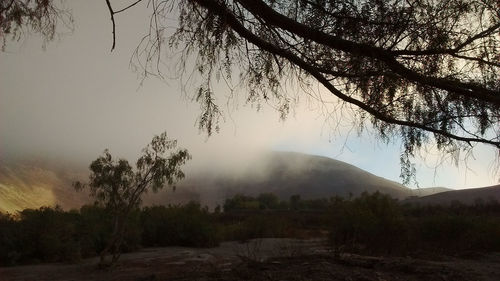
465,196
286,174
283,173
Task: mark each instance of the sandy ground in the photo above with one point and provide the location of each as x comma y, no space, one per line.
262,259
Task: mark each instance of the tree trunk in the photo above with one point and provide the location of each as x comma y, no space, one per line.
113,243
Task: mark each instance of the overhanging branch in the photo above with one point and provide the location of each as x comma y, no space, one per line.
272,18
237,26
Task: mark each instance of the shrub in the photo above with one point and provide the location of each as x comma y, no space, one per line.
189,225
372,222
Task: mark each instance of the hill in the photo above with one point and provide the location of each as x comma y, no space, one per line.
419,192
282,173
465,196
285,174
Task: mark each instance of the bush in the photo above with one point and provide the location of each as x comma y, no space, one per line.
377,223
9,240
188,225
371,222
53,235
48,235
257,225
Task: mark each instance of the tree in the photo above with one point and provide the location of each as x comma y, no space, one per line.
268,201
422,71
117,186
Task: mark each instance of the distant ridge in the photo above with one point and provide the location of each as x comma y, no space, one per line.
466,196
419,192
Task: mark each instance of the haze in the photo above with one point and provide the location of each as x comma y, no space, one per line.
62,106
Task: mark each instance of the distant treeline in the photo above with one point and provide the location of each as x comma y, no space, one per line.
269,201
370,223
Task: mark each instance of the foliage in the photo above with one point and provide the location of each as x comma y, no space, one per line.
18,17
53,235
240,202
378,224
371,223
189,225
47,234
269,201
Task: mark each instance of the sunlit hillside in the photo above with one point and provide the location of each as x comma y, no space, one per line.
27,186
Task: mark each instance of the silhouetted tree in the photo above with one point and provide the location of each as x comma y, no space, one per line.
417,70
268,201
116,185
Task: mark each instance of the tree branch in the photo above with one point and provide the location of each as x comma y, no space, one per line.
112,14
232,21
128,7
6,8
459,47
273,18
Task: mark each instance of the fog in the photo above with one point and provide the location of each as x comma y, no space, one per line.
62,105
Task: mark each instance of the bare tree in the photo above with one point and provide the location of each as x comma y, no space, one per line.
115,184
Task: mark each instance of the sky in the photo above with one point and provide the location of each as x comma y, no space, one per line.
61,105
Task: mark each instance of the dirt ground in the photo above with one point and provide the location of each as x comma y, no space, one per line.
262,259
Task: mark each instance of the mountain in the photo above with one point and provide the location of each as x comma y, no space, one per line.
33,185
466,196
282,173
286,174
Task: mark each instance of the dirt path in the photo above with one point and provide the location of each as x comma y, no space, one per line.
261,259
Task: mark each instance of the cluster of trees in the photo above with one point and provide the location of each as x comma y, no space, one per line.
269,201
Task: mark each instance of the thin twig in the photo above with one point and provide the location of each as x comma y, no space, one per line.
128,7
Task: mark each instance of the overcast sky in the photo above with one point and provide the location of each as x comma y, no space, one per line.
67,103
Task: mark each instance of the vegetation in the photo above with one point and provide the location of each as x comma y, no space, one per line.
115,185
371,223
53,235
378,224
189,225
20,17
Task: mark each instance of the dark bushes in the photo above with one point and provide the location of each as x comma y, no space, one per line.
373,222
46,234
378,224
188,225
53,235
